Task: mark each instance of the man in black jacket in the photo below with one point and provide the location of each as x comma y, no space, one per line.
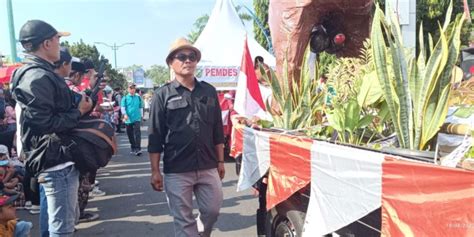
49,112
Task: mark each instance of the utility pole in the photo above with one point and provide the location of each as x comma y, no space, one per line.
115,54
114,47
11,27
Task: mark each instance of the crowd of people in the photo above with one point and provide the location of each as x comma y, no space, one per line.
45,98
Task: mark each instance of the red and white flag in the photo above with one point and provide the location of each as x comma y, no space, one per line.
248,98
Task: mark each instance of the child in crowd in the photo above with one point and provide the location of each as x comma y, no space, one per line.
9,226
11,176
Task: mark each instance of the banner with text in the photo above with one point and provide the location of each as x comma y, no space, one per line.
223,78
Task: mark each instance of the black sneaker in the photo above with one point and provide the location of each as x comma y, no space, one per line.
88,217
138,152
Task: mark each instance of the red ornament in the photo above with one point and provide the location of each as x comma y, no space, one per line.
339,39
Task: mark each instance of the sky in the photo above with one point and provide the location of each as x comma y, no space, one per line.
151,24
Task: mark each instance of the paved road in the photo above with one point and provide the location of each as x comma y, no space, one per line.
132,208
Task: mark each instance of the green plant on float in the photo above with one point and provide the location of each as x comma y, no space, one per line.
357,110
300,103
325,62
348,75
417,95
348,121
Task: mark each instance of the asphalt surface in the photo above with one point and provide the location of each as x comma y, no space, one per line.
132,208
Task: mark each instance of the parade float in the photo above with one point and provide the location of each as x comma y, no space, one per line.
364,160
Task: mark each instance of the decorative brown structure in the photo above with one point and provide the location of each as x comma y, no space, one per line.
292,21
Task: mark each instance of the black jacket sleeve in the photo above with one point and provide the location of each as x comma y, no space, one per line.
157,130
40,113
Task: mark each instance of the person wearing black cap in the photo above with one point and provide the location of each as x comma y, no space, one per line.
74,79
48,114
63,65
88,82
132,106
90,76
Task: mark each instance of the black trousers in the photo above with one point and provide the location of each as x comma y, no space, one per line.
119,125
134,135
31,189
83,193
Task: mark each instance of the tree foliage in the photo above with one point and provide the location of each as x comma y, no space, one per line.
158,74
83,50
261,11
431,12
201,23
198,25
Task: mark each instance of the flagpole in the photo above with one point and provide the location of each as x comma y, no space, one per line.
11,28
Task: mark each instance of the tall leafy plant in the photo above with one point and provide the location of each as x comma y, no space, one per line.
357,111
417,93
300,102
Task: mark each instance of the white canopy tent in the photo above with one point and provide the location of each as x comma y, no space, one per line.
222,45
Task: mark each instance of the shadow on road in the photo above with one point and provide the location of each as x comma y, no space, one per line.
132,208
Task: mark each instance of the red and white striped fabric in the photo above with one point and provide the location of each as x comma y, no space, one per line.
237,137
346,185
248,98
255,158
417,199
226,106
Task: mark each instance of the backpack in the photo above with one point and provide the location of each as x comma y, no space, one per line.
94,144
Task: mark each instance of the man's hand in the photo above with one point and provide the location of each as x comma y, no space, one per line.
125,118
221,170
157,181
85,105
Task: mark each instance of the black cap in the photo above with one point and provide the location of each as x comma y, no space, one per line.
37,31
78,66
64,56
88,63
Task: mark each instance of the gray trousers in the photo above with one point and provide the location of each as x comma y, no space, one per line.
207,188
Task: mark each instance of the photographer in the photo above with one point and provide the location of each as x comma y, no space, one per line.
48,113
78,70
87,83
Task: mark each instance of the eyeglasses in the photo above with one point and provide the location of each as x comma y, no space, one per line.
183,57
